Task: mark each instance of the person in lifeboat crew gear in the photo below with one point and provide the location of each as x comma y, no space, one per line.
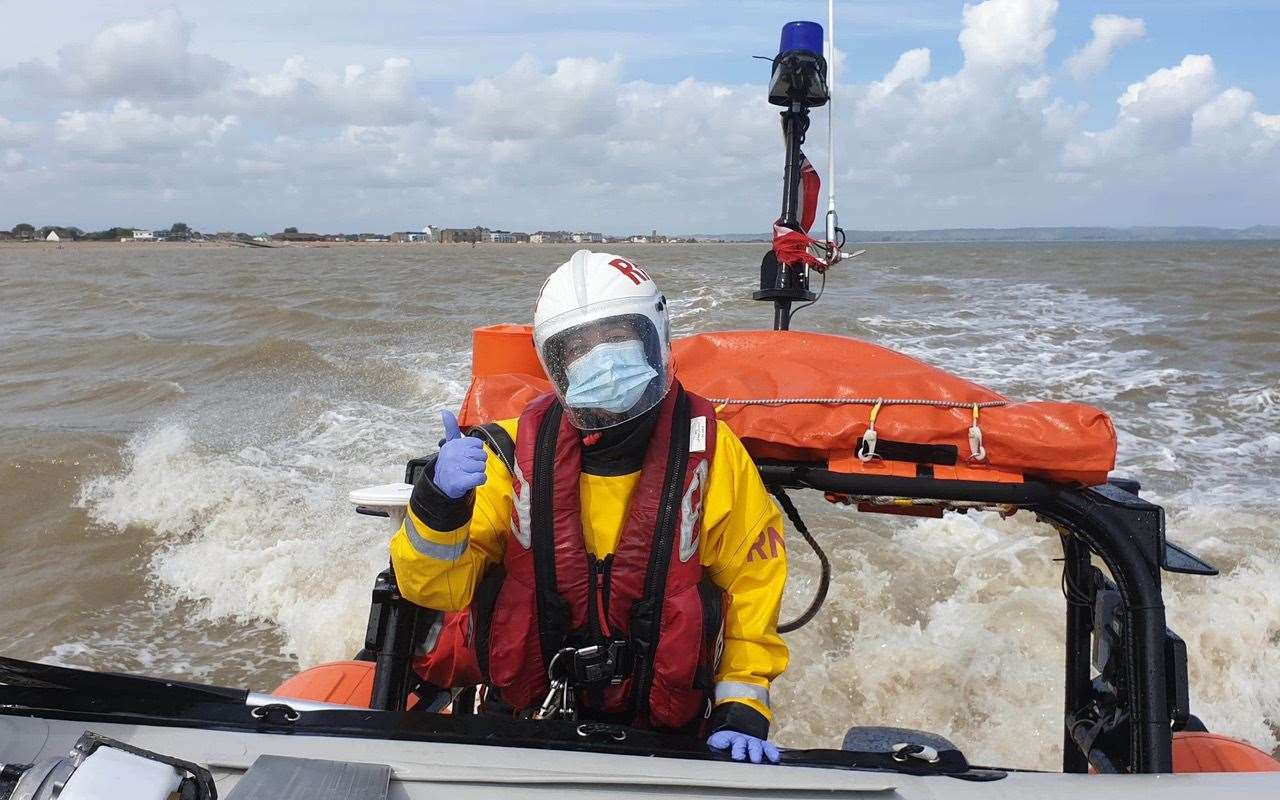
614,513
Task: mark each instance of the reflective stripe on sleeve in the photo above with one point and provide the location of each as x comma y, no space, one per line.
734,690
440,552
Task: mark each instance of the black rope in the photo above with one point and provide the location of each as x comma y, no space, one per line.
824,582
1074,595
821,289
839,246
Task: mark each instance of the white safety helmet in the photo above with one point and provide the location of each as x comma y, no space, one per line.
592,304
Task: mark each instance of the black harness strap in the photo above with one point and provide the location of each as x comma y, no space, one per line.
553,612
499,442
646,614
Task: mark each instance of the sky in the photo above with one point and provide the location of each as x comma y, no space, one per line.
628,115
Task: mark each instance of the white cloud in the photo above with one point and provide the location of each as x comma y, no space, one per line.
132,132
1007,34
15,133
1228,131
1110,33
1155,115
576,142
1270,123
576,97
1034,90
1171,92
912,67
1180,135
142,58
1225,111
310,94
986,117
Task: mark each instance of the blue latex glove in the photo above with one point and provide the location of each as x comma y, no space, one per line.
460,465
743,747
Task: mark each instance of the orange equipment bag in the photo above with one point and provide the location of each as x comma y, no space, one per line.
800,396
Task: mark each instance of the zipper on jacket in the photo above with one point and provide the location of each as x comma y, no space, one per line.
597,597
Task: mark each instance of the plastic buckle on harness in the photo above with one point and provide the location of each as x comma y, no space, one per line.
610,662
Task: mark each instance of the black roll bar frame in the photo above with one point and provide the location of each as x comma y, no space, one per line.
1109,521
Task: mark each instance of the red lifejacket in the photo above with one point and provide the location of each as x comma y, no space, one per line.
649,600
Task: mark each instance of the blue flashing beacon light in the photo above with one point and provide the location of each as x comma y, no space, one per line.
801,35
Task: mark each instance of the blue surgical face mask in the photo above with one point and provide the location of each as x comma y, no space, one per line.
611,376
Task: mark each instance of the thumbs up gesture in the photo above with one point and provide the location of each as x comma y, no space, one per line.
460,465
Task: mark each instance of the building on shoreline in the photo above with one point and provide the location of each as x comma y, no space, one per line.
463,235
295,236
506,237
404,237
587,238
551,237
651,237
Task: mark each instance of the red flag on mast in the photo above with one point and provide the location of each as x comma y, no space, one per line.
791,246
812,185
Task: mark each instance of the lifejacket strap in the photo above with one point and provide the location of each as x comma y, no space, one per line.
438,510
499,441
646,620
553,610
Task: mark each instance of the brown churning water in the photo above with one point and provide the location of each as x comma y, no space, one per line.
179,428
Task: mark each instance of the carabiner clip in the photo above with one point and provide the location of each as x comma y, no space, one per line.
976,449
867,451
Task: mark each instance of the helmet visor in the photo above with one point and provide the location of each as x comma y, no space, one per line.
607,371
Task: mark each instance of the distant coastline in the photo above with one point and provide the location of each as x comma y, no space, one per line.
1026,235
1060,234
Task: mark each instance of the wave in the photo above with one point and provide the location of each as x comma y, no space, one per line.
953,625
956,625
264,531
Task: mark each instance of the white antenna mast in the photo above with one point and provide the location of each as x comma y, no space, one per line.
833,220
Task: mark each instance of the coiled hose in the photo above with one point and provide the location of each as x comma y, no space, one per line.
824,581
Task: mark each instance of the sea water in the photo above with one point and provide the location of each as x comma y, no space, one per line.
180,427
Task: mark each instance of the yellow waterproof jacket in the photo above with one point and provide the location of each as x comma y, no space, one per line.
741,549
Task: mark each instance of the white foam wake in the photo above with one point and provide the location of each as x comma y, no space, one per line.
952,625
265,532
956,625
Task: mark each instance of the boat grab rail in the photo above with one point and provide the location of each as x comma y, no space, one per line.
1112,522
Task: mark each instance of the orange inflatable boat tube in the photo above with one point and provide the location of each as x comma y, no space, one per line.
1211,752
801,396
